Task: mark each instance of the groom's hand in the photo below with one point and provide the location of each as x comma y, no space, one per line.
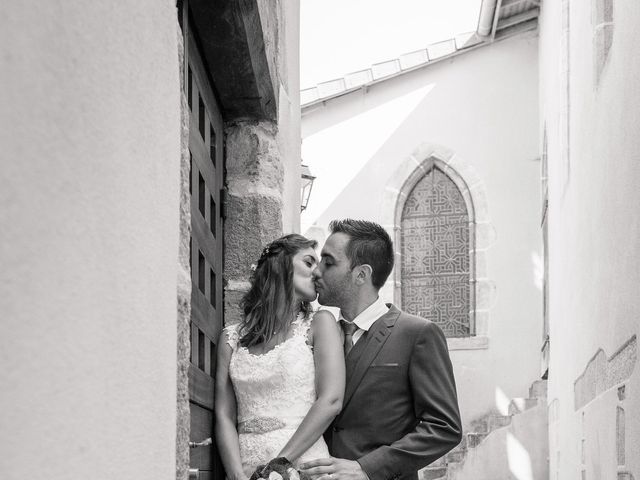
334,469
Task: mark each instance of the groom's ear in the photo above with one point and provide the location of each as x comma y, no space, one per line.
364,274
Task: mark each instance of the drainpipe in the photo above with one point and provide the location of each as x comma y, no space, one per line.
487,15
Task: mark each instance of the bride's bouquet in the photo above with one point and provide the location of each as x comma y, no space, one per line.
278,469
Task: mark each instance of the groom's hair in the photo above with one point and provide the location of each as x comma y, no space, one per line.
369,244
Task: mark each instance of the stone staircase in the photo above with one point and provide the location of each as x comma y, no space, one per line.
446,468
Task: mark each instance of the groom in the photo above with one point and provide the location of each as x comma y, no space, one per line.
400,410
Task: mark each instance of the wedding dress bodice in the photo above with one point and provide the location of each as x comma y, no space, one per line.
274,391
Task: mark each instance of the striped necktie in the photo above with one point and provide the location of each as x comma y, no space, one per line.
349,328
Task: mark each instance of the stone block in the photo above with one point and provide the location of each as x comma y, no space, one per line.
403,172
478,342
486,293
464,171
432,473
520,404
183,415
498,421
485,235
623,362
480,425
256,221
602,41
620,435
255,163
427,150
387,292
232,310
455,455
601,373
474,439
480,263
480,203
538,389
603,11
482,322
390,198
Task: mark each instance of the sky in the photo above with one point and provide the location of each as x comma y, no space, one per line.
342,36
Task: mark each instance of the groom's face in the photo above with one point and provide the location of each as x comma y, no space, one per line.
334,276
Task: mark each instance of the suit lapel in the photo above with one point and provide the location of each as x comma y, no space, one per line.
376,337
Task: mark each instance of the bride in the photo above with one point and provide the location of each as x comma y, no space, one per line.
280,373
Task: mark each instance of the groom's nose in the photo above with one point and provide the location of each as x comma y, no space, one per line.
316,272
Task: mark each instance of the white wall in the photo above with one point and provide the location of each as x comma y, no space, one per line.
289,112
593,237
483,106
90,135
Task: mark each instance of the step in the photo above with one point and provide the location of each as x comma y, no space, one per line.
490,422
474,439
538,389
519,405
455,455
433,473
498,421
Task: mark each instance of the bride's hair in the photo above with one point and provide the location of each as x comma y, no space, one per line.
269,304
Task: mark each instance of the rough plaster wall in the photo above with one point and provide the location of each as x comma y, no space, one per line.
90,135
483,106
594,264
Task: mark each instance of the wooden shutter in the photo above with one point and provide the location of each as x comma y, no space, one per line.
206,152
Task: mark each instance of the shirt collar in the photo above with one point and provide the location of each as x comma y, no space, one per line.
369,315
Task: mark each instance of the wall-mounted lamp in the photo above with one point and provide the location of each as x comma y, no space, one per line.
305,186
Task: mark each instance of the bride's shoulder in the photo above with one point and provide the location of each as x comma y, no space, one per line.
231,335
323,316
324,319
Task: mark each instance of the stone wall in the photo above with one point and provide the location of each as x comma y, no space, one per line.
254,204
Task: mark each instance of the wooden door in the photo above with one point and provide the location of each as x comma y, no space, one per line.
207,171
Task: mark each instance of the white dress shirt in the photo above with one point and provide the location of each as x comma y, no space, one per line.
367,317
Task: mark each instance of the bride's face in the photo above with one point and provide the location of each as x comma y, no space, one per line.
304,263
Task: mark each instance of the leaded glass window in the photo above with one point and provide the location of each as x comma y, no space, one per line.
435,246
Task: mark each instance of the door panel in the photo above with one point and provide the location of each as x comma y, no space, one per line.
206,183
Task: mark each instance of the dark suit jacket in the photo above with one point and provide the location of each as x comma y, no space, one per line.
400,410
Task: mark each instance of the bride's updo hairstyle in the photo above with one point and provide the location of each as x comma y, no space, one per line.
269,304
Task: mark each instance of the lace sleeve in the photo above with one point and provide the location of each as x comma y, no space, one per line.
232,337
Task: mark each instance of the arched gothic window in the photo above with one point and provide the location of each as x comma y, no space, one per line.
436,245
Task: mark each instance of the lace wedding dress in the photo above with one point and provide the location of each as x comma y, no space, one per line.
274,391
